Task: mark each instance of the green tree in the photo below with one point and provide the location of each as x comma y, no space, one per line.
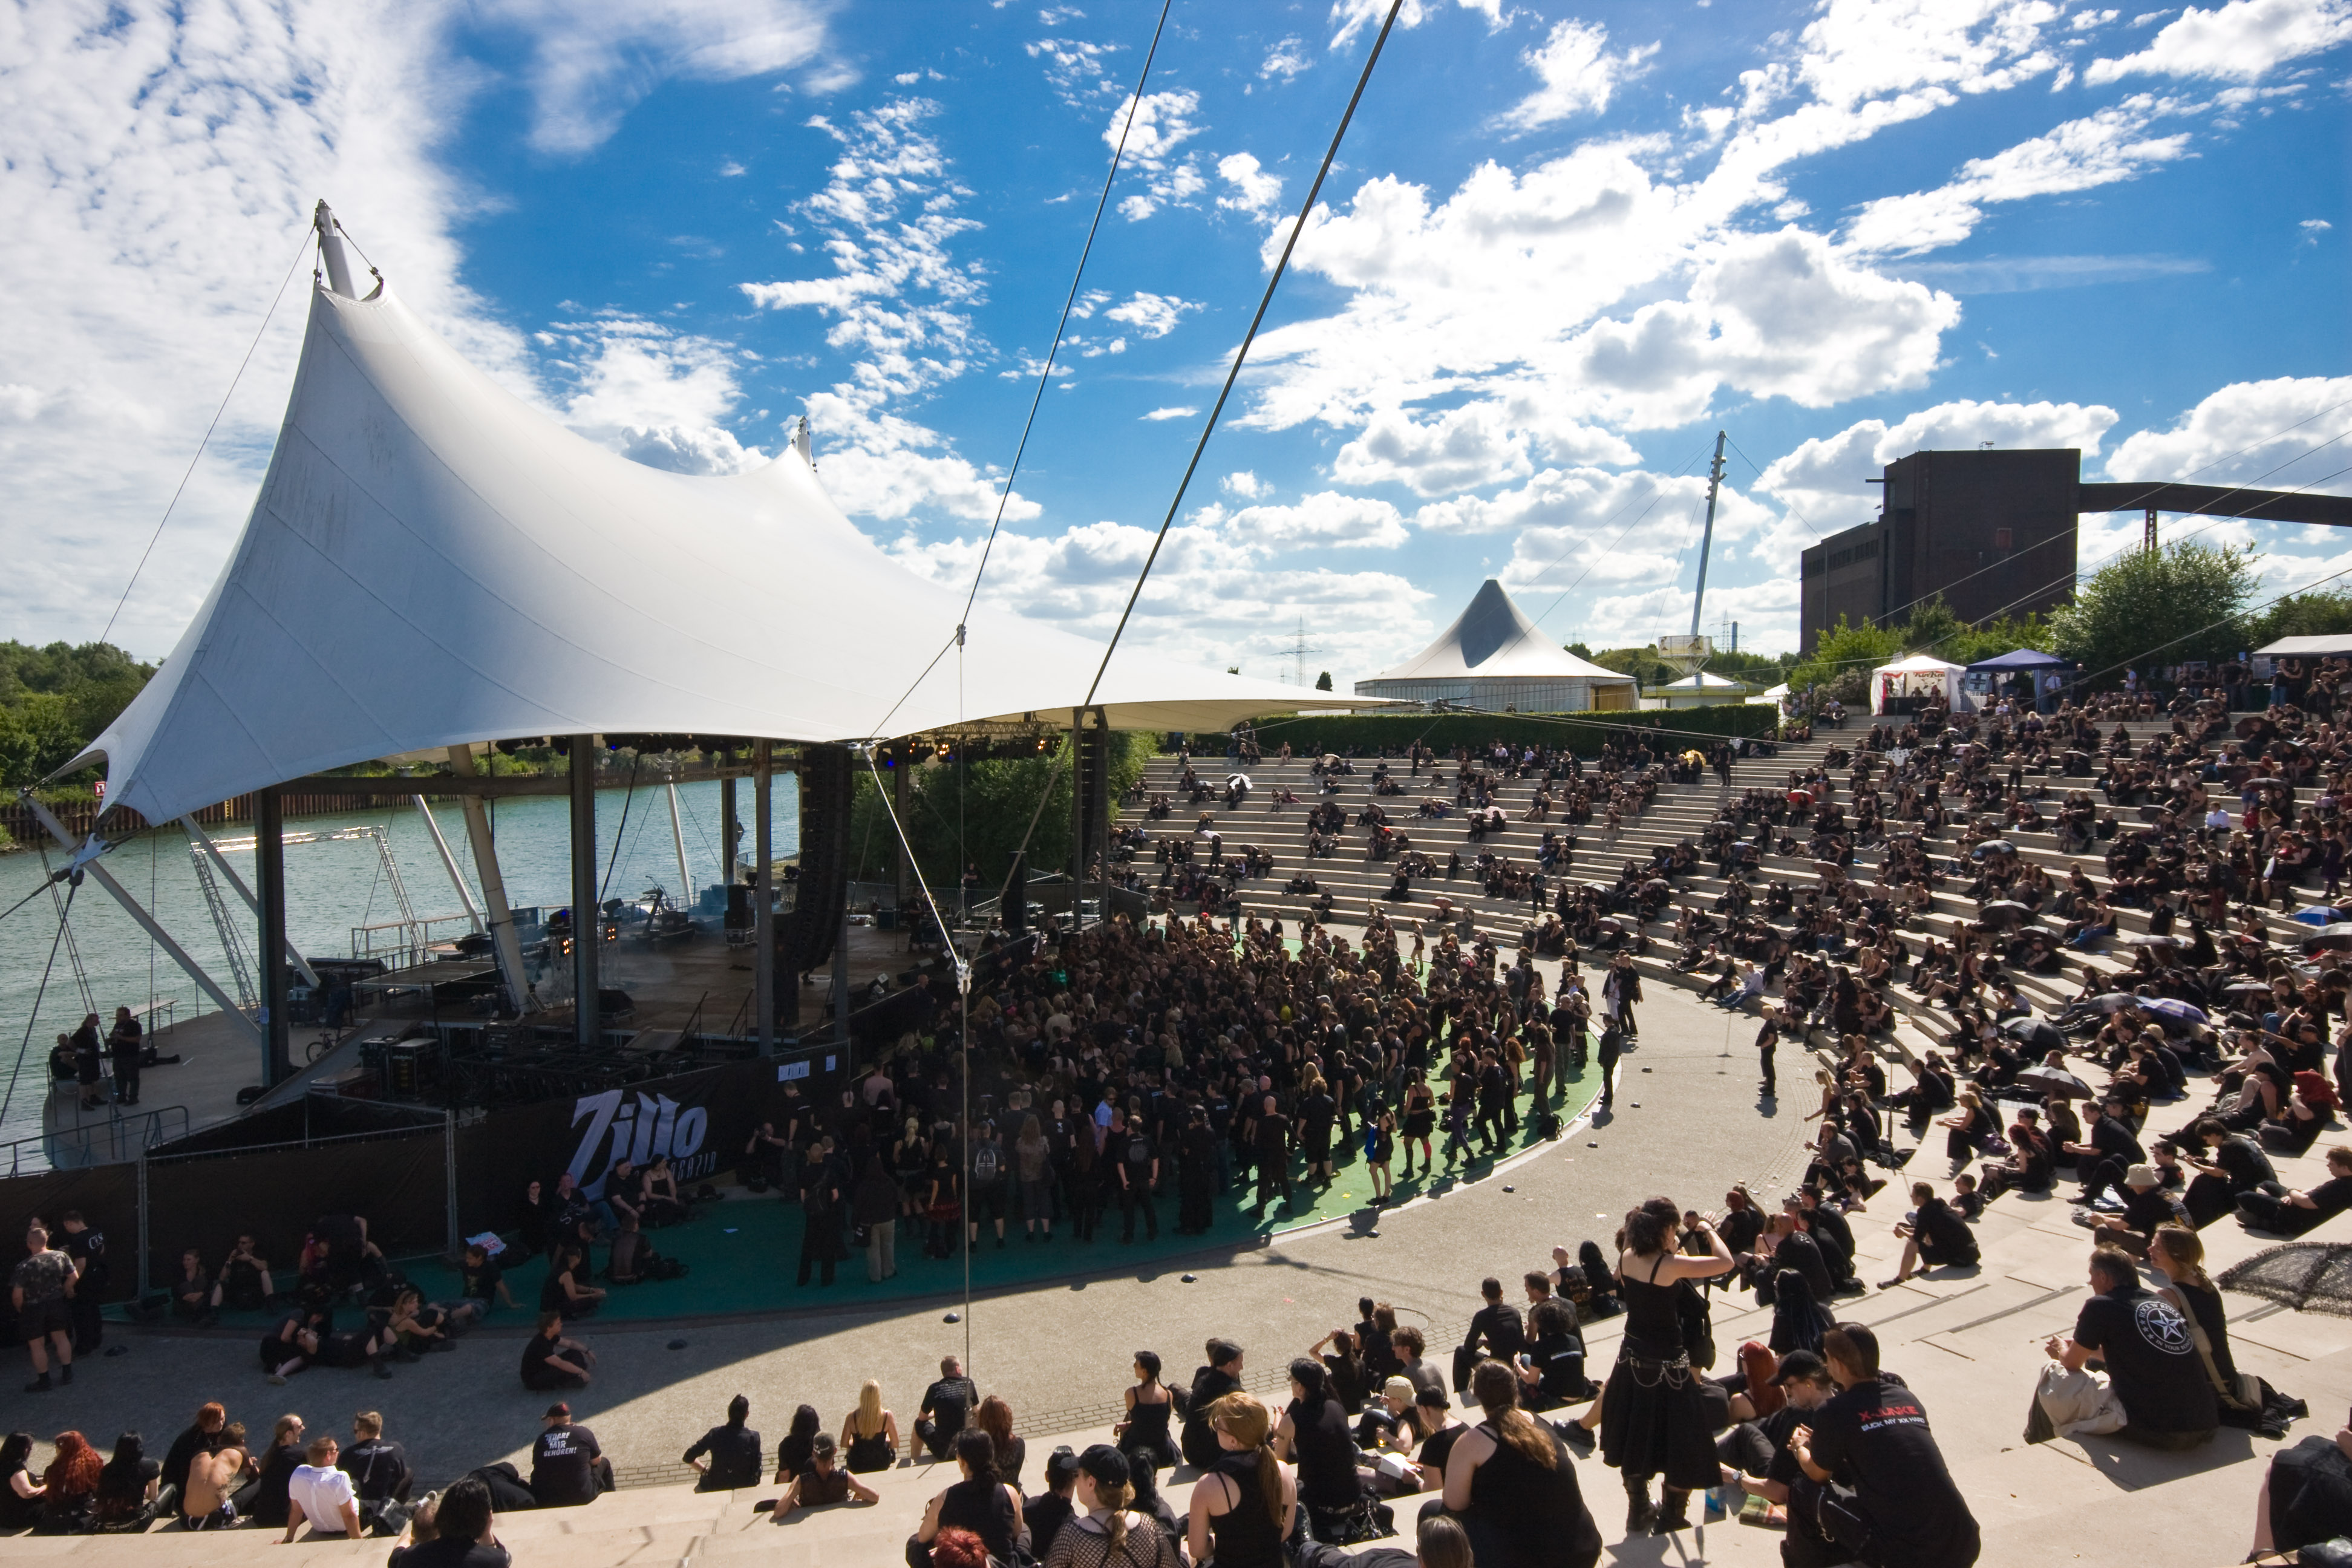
2149,609
959,811
55,699
1323,681
2328,613
1844,655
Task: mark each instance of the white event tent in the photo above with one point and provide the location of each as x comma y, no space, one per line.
1920,676
1493,658
432,563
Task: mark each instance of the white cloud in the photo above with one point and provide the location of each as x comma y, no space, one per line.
2084,21
2099,149
1578,74
1826,480
2279,435
651,395
1287,60
1253,190
1076,69
1153,315
1181,412
2241,41
1325,518
1464,448
901,303
1244,484
1163,122
2313,227
590,63
1354,16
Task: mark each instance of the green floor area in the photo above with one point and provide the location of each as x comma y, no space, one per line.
743,1252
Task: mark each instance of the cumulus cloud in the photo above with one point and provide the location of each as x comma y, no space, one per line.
1578,74
2279,434
651,395
1076,69
1153,315
1826,480
1252,190
1327,517
1241,482
1352,17
2244,40
2098,150
1184,411
1287,60
1163,122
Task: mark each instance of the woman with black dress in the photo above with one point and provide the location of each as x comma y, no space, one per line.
1149,1406
979,1502
1510,1484
1317,1111
128,1486
994,1416
1654,1418
1420,1122
793,1453
1244,1506
1314,1434
20,1489
869,1434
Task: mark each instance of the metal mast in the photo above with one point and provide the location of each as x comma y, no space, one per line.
1714,480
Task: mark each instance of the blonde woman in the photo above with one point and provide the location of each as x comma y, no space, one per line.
869,1434
1245,1505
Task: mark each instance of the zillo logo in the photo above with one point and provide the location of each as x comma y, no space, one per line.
653,1125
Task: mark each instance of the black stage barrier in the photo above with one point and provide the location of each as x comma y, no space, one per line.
108,1197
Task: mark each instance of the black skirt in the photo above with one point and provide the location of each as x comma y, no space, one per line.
1654,1419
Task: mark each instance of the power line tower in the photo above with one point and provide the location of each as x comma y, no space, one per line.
1299,649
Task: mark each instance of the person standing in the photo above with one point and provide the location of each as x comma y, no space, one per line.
126,1045
1613,1046
1653,1417
821,1209
42,1290
1768,1040
1621,991
86,1247
1138,1163
88,1058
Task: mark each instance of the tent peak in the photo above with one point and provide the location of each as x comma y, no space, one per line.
331,253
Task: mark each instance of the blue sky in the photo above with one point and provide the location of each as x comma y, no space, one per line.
1563,245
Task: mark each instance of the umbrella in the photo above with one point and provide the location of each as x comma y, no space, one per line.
1240,778
2319,914
1657,885
2057,1081
2326,940
2252,725
2039,1033
2308,1276
2138,940
2114,1001
2009,906
2172,1007
1992,846
2247,988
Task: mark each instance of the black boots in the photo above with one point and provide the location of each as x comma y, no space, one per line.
1673,1510
1640,1513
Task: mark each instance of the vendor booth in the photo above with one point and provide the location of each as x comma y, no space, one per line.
1922,680
2023,675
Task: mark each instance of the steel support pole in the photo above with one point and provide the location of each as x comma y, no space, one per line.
449,864
731,834
900,763
1706,539
220,863
503,940
449,1178
587,919
230,1009
269,871
763,899
2148,539
841,973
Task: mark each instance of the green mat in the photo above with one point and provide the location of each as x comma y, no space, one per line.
744,1251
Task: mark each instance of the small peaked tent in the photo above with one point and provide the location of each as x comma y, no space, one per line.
1492,658
431,562
1907,682
2019,658
1701,689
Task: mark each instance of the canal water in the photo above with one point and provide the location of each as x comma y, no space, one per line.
105,960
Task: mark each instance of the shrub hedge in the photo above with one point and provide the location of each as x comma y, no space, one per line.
1366,734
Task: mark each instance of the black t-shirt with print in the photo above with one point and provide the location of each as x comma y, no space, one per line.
482,1279
2151,1358
563,1461
1873,1437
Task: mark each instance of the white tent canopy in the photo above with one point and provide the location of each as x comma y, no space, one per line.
1921,675
1494,656
2313,646
431,562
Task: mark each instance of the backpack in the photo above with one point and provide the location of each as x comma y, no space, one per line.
985,1164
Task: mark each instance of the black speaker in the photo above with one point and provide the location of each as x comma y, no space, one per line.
806,940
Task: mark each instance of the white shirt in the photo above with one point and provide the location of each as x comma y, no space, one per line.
320,1491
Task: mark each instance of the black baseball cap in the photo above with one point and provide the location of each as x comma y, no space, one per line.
1800,1367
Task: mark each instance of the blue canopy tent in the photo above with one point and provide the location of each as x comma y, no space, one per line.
2025,662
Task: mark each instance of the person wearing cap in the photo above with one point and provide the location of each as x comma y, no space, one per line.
2146,1205
1755,1453
1050,1509
824,1482
1872,1438
567,1467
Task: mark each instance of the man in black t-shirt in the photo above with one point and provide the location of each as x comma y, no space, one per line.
1273,1150
484,1280
567,1468
1046,1513
86,1247
1904,1512
1495,1334
2273,1207
947,1404
1211,1382
733,1451
2150,1351
2111,1153
1757,1461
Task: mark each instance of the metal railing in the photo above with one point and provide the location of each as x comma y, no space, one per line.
403,944
102,1141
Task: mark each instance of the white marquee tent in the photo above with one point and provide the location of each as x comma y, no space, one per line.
1492,658
431,562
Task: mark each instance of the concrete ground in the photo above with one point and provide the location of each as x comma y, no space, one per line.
1687,1123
